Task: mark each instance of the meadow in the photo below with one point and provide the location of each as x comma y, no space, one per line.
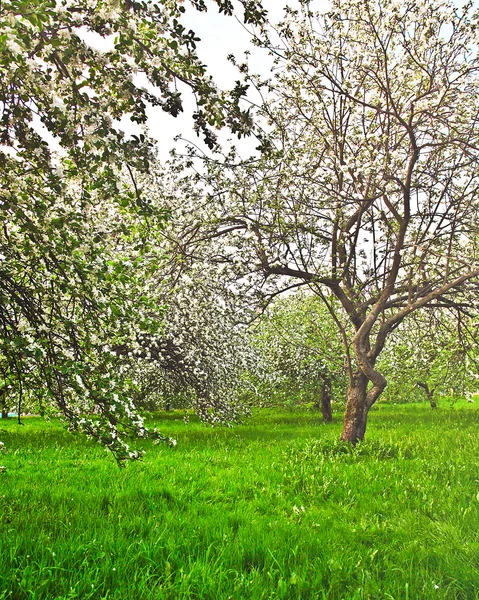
275,508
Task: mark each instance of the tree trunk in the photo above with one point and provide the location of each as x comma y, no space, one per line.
356,413
326,401
429,393
19,406
3,402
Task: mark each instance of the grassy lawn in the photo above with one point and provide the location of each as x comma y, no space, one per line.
275,508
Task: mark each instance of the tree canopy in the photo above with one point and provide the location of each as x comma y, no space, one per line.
77,242
367,185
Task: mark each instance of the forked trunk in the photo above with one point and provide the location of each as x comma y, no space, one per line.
356,413
360,398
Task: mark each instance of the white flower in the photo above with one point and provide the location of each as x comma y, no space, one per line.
13,46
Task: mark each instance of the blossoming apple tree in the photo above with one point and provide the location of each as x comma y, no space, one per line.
368,181
77,235
300,354
433,353
203,351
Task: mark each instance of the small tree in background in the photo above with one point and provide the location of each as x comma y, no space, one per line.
301,357
434,355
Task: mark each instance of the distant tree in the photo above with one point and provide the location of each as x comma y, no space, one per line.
368,181
76,250
431,354
300,355
199,360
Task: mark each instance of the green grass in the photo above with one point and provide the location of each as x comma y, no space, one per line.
275,508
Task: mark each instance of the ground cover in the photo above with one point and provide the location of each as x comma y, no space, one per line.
275,508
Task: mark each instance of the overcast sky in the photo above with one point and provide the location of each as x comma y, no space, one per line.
220,36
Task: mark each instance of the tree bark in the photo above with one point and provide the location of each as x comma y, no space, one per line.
356,413
19,406
326,401
429,393
360,398
3,403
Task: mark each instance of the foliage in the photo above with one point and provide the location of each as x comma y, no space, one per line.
77,243
435,355
272,509
299,351
203,351
367,184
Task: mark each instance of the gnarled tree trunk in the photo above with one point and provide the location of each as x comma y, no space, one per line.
360,398
429,393
356,413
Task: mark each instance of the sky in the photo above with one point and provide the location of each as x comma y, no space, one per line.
220,36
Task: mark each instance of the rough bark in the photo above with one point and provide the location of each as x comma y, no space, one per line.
356,413
429,393
3,403
360,398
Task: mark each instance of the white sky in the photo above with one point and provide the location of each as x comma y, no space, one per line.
220,36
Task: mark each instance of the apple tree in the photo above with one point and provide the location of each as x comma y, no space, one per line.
77,235
367,183
300,355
